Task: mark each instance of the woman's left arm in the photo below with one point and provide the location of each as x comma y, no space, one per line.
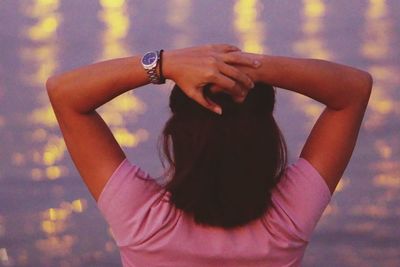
76,94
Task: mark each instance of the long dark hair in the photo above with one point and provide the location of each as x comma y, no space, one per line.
222,168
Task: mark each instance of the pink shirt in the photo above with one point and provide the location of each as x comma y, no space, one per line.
151,232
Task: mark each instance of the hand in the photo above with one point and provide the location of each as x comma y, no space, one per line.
250,71
193,68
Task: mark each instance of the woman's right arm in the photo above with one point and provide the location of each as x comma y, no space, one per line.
344,90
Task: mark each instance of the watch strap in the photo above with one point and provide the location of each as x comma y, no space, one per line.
154,77
162,78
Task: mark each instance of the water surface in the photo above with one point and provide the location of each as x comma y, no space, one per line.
47,217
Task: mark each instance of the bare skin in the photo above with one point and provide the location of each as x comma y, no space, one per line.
76,94
344,90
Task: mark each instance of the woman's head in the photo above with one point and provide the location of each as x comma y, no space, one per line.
223,167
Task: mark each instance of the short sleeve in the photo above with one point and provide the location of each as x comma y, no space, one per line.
126,199
299,199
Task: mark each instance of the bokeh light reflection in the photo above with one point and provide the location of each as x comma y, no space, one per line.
114,45
311,45
46,209
178,17
250,30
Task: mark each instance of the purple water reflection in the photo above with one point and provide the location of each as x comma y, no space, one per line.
47,217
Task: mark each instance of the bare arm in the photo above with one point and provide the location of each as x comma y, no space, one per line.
76,94
344,90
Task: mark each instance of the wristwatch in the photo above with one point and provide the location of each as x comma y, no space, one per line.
150,62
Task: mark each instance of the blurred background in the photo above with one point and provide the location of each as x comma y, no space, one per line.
48,218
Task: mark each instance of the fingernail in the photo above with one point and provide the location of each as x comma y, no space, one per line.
256,63
218,110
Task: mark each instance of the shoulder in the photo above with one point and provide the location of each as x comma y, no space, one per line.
299,199
128,185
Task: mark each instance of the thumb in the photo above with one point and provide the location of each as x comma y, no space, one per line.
209,104
213,106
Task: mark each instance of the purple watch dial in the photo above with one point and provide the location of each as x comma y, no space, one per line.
149,58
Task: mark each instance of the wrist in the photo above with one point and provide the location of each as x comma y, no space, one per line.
168,66
160,70
259,73
151,62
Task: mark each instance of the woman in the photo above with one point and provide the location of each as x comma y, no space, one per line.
230,199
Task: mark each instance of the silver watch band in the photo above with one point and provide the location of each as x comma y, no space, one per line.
153,75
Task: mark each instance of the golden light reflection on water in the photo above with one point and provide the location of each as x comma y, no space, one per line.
389,180
39,59
56,246
376,27
41,56
43,116
39,8
55,223
377,35
381,104
383,148
40,63
372,210
117,23
332,208
45,28
53,151
377,40
250,30
343,183
311,45
47,22
178,14
47,157
128,139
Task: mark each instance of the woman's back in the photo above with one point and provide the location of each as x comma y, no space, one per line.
151,232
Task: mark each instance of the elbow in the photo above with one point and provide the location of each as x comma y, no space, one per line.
366,86
60,96
57,94
53,89
51,86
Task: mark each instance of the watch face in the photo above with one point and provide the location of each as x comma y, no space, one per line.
149,58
